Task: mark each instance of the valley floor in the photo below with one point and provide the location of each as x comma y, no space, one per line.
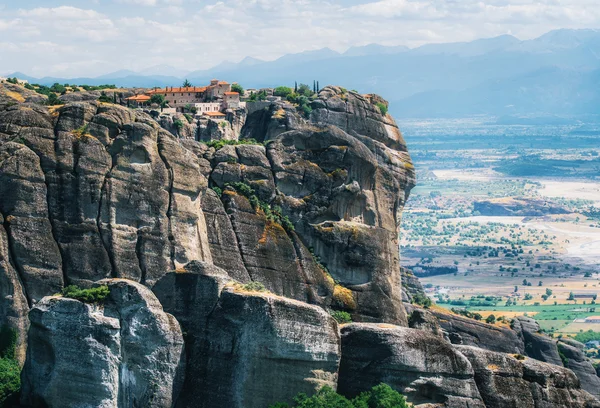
544,265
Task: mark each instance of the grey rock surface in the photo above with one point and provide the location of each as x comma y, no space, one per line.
505,381
124,353
418,364
470,332
247,349
577,362
537,345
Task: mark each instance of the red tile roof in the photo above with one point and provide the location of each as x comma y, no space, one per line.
232,93
214,114
189,89
139,98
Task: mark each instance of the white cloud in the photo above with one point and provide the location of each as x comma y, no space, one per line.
62,12
196,34
139,2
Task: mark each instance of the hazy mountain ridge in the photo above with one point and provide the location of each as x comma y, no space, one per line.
453,79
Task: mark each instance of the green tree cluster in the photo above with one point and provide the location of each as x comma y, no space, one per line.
341,317
273,214
382,108
237,88
380,396
92,295
10,372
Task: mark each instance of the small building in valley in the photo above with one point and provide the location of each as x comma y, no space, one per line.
584,295
592,319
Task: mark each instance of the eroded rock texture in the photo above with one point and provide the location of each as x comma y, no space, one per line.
247,349
93,192
470,332
421,366
504,381
125,353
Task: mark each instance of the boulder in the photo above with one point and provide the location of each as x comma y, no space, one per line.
13,303
247,349
263,349
23,205
537,345
421,366
470,332
421,319
505,381
125,352
576,360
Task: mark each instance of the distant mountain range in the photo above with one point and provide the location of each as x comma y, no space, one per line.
555,74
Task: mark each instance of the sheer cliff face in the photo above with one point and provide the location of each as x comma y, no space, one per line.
98,194
92,191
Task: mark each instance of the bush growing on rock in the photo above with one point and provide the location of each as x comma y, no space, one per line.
93,295
382,108
380,396
254,287
283,91
10,372
272,214
341,317
218,144
422,300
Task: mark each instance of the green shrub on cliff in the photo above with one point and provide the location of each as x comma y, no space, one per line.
382,108
380,396
422,300
273,214
218,144
93,295
341,317
10,372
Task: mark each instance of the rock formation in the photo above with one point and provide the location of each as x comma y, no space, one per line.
525,207
505,381
126,352
424,367
248,247
247,348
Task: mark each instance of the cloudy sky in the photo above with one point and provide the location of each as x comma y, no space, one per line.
93,37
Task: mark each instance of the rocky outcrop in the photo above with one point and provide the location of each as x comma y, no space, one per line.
247,349
422,319
576,360
184,127
124,353
524,207
421,366
114,195
411,286
537,345
12,94
470,332
24,207
94,192
505,381
13,303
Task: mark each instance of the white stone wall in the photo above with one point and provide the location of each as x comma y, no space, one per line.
208,107
180,99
